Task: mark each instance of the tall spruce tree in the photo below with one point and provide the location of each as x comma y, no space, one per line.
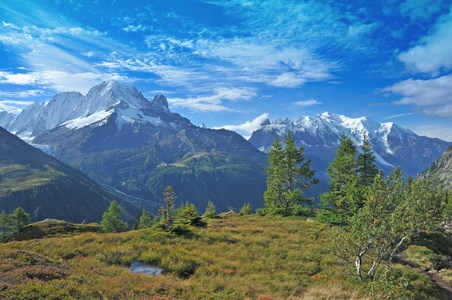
344,196
288,175
19,218
5,224
145,220
367,169
273,196
168,213
111,219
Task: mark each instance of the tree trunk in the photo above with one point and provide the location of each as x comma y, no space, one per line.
359,261
393,253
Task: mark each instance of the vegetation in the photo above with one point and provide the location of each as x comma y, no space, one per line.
288,176
111,219
349,175
13,223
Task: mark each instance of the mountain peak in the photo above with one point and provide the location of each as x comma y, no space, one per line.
161,100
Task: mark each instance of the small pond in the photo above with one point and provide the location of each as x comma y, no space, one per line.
145,269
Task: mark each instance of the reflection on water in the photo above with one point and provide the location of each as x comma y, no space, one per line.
148,270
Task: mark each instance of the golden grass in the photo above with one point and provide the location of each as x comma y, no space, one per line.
235,257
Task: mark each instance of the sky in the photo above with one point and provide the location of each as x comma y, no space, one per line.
234,63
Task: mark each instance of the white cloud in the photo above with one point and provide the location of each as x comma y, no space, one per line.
307,103
420,9
423,92
59,80
398,116
359,29
441,132
21,94
14,107
214,102
248,126
433,52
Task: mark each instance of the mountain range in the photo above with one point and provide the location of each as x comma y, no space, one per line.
319,135
47,188
135,147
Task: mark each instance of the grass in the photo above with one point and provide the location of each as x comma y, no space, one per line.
235,257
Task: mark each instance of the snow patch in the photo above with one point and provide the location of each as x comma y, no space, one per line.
89,120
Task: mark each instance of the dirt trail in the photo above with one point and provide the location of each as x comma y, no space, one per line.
444,287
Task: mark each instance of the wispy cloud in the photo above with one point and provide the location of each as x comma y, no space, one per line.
214,102
437,131
434,95
307,103
433,52
423,92
61,81
248,126
14,107
398,116
420,9
22,94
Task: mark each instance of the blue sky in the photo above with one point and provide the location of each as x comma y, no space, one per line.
237,62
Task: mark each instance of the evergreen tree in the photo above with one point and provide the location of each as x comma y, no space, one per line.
210,210
168,213
367,169
5,223
111,219
19,219
273,196
145,220
190,216
246,209
135,225
288,175
344,196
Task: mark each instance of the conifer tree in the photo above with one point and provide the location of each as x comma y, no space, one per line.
273,196
288,175
210,210
367,169
168,213
5,223
19,218
145,220
111,219
344,195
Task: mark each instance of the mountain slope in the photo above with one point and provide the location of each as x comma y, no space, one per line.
137,147
6,118
319,135
440,171
40,183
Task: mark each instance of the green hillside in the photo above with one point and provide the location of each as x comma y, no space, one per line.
47,188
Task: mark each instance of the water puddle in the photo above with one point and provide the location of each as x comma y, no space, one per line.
145,269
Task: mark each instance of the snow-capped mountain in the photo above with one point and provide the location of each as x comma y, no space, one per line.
6,119
319,135
76,111
137,147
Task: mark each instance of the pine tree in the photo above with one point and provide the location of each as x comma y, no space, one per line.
273,196
5,223
367,169
298,176
145,220
344,195
288,175
111,219
210,210
19,219
168,213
